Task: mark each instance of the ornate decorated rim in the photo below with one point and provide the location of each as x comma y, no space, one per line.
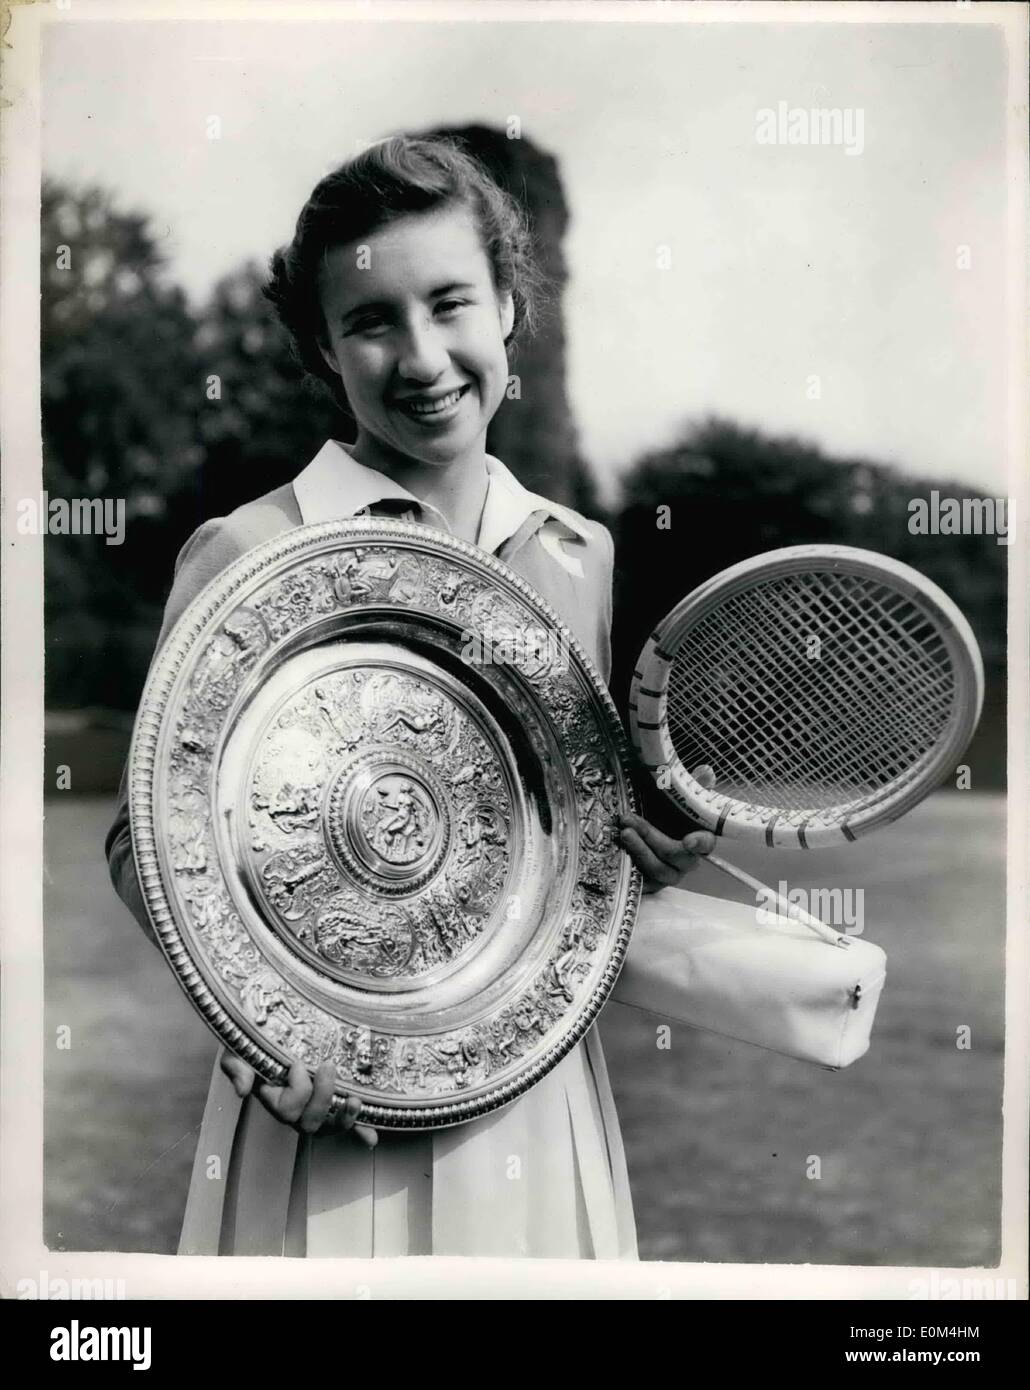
581,976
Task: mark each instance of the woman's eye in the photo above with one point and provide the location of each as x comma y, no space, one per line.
450,306
370,326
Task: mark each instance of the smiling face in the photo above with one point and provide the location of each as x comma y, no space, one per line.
416,331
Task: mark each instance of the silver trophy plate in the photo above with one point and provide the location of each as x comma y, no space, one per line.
373,784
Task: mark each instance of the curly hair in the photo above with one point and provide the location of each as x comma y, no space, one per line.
399,176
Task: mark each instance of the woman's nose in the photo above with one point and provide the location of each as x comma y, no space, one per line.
423,355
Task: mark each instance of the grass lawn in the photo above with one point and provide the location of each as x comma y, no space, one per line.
718,1135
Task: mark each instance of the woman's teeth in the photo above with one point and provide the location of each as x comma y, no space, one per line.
434,407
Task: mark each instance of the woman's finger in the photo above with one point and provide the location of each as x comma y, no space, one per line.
663,846
367,1135
664,860
649,864
692,850
287,1102
347,1120
239,1073
681,854
317,1108
688,852
699,842
704,775
350,1112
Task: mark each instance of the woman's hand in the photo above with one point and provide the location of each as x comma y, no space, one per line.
662,860
302,1103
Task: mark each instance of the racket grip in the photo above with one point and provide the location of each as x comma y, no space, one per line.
784,906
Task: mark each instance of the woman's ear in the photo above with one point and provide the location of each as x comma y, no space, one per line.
329,356
506,306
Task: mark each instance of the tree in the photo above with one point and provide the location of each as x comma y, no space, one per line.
178,413
120,390
262,419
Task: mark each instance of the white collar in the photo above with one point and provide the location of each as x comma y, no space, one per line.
336,485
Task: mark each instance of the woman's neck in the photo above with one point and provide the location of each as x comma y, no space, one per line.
457,489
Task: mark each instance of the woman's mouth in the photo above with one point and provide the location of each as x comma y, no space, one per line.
433,409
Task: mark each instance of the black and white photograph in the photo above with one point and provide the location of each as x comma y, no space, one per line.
514,655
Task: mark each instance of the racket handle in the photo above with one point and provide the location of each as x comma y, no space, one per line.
785,906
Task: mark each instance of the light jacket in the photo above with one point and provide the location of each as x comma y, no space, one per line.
546,1176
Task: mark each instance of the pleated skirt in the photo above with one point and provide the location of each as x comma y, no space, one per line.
544,1178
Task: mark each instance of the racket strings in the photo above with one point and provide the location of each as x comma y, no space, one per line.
793,732
919,657
883,699
788,727
768,779
811,729
793,722
780,726
922,654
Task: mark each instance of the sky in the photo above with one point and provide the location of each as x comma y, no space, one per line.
797,288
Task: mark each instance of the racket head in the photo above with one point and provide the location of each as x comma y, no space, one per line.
812,743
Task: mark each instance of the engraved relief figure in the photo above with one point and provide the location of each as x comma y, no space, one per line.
317,1045
294,808
190,741
408,584
498,1040
480,831
247,633
481,860
415,721
338,717
205,901
296,880
527,1018
359,1052
229,654
288,604
364,575
544,651
288,779
568,966
451,931
492,612
596,789
233,954
189,832
398,820
382,1063
411,1067
454,1058
214,680
265,1004
380,946
450,588
474,895
404,710
349,585
465,775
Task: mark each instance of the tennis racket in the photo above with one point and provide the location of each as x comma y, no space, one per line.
830,688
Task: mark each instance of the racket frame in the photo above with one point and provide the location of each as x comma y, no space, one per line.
724,814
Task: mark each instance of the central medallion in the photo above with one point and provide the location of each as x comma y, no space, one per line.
380,829
386,820
399,819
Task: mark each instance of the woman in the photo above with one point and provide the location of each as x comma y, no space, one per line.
407,280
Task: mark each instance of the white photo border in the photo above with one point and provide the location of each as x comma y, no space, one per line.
23,1254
